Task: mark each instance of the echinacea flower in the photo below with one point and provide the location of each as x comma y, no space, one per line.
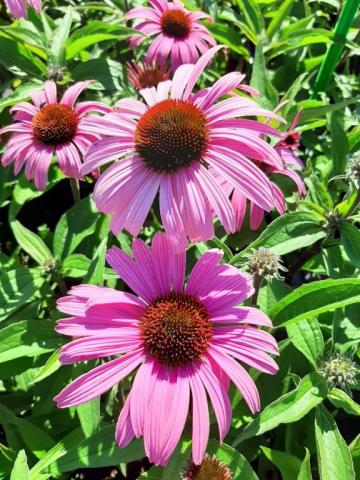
179,33
181,340
17,8
184,145
289,141
47,127
146,76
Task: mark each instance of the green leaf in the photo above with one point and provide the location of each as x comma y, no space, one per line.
89,416
32,244
339,144
341,399
305,470
21,93
315,112
223,33
350,238
355,454
68,443
259,79
14,56
279,16
52,365
288,408
175,467
314,298
334,456
20,432
21,469
93,33
28,338
100,450
60,35
96,270
236,462
7,459
76,224
287,233
306,336
288,464
25,191
17,288
252,13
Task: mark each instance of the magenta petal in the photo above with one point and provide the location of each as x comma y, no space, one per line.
218,396
238,375
124,432
94,383
100,346
162,432
201,422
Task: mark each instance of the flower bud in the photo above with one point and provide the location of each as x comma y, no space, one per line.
265,263
340,371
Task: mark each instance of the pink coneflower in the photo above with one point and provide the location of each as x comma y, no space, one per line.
47,127
182,340
17,8
184,145
179,34
285,147
146,76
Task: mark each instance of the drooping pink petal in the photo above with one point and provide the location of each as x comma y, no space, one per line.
170,394
124,432
218,397
239,376
98,380
200,417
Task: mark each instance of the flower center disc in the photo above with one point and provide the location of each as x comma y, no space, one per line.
210,469
55,124
175,23
176,329
151,77
171,135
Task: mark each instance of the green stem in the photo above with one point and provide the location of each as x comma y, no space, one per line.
257,281
75,188
332,56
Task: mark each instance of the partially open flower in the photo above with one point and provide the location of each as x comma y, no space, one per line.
265,263
285,147
340,371
210,469
146,76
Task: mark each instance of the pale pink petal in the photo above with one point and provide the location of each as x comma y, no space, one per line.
50,91
71,94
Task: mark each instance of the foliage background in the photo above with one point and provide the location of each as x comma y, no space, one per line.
307,429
